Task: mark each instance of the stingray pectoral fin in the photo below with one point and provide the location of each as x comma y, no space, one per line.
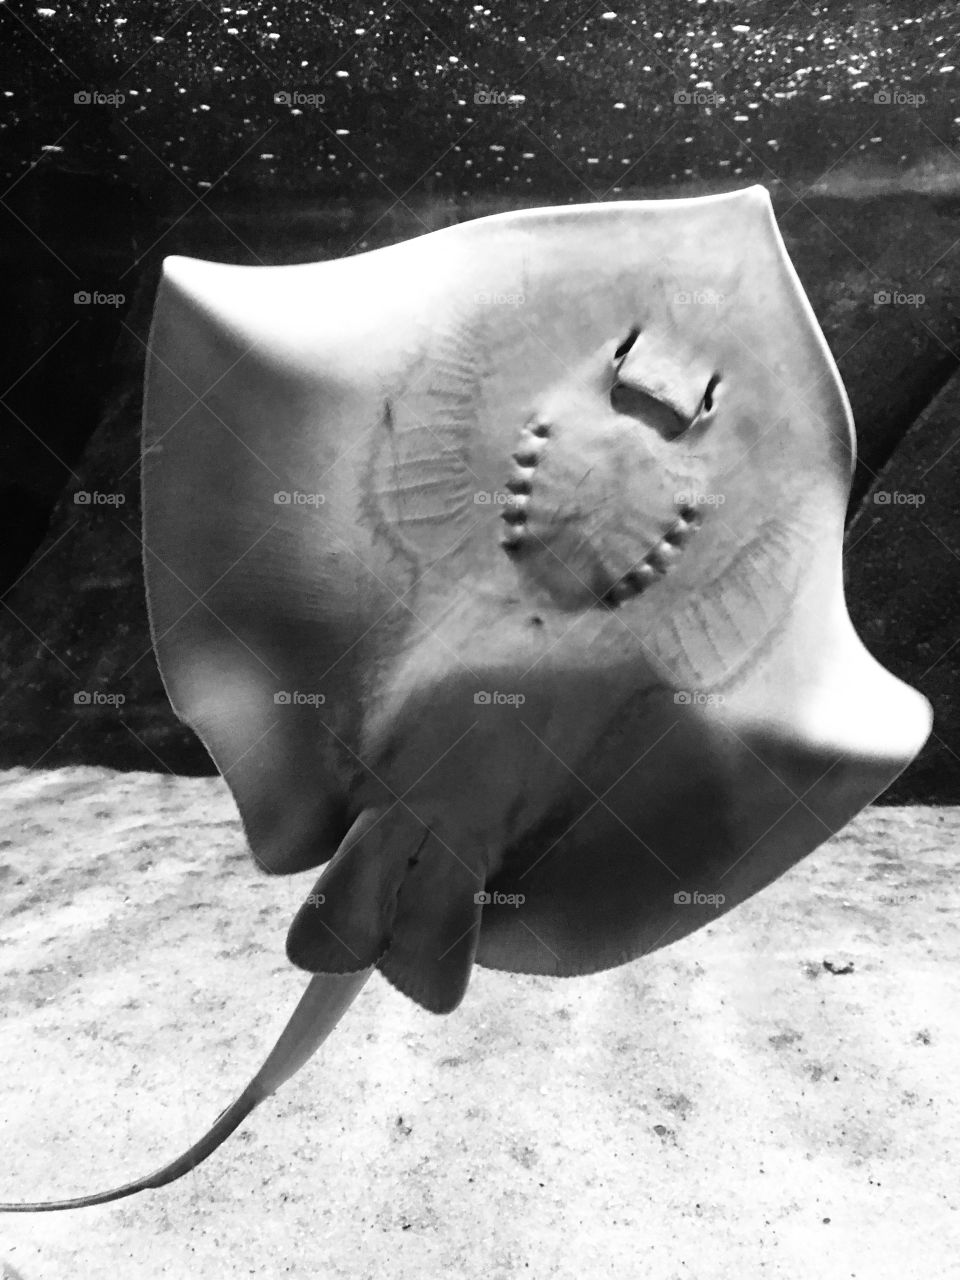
321,1007
718,803
243,632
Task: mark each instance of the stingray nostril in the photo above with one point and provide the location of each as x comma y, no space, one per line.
627,343
708,394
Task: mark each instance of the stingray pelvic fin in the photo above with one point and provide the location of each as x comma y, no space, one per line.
398,896
321,1007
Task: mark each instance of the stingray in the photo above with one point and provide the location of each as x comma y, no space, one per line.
499,571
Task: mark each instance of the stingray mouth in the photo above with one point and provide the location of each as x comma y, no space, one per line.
570,565
599,585
657,563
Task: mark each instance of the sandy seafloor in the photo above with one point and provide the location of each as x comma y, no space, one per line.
775,1096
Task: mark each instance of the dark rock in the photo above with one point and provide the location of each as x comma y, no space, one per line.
903,576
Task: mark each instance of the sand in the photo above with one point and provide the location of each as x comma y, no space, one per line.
775,1096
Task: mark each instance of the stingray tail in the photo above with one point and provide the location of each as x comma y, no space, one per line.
321,1007
398,896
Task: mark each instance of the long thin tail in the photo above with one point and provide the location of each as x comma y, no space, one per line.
322,1005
